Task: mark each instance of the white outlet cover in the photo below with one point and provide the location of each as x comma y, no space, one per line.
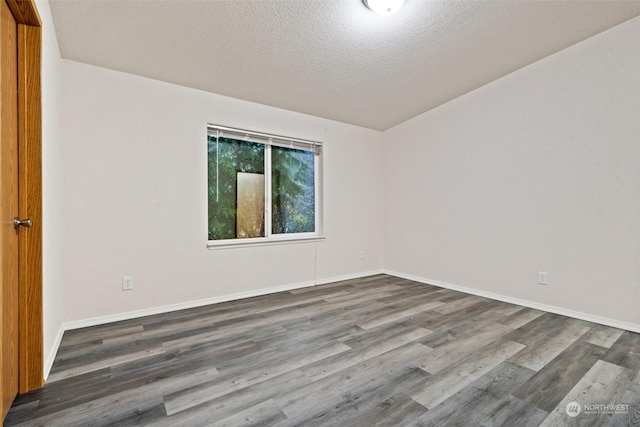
542,278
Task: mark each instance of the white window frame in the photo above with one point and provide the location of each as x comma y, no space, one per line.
269,140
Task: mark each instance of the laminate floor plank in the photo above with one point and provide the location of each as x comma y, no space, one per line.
361,338
219,337
604,336
625,351
479,319
598,386
78,350
23,414
375,294
473,404
411,293
505,309
547,324
548,387
436,339
514,412
461,317
236,401
105,363
461,347
193,396
396,314
361,354
541,349
149,416
521,317
378,350
75,390
102,354
358,404
266,413
398,410
68,392
328,393
449,296
100,332
109,408
629,396
446,383
113,347
340,323
450,307
537,355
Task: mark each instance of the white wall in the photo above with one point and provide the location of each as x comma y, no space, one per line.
135,172
53,299
537,171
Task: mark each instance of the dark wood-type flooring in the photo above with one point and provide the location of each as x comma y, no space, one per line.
373,351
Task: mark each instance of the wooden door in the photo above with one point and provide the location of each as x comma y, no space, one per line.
9,285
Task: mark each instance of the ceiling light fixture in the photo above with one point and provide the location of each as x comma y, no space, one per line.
384,7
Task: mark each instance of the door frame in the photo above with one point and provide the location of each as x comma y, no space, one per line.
30,324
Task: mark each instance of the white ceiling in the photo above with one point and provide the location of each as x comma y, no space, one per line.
329,58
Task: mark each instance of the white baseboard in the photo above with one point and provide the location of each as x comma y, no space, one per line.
94,321
48,363
525,303
117,317
348,277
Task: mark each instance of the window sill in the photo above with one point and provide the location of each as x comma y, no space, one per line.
244,243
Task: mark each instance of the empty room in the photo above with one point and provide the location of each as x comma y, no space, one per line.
320,213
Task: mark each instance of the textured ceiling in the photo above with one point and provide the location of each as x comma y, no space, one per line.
329,58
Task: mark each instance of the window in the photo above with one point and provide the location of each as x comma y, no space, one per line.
261,187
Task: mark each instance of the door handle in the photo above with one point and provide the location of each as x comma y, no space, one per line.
25,223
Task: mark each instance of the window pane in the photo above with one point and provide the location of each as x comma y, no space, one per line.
250,205
292,191
229,161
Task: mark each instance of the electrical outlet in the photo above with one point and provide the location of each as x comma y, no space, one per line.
127,283
542,278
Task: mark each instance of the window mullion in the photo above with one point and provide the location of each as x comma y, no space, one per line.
268,192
